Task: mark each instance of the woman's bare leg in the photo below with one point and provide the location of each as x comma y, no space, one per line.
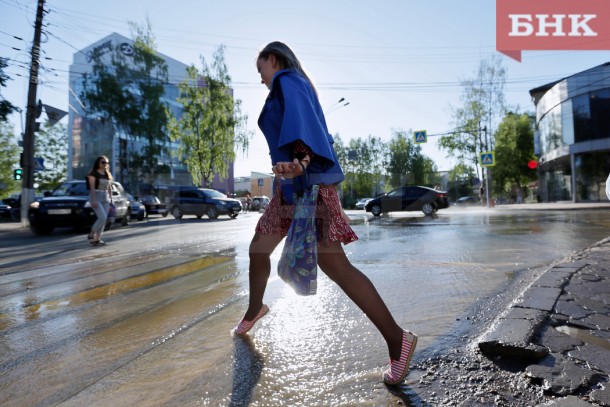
334,263
260,251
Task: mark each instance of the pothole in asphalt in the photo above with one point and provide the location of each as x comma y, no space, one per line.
584,336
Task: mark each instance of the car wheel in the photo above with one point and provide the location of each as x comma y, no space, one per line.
125,219
212,213
164,214
41,230
176,212
428,208
107,226
233,215
376,210
141,216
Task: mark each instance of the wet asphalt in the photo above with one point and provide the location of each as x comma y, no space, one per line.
558,326
550,346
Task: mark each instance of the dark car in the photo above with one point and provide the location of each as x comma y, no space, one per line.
13,206
137,210
68,206
423,199
154,206
203,201
5,211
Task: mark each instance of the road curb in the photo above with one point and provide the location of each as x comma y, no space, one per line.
559,325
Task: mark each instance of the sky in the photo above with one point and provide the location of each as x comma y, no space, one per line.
399,63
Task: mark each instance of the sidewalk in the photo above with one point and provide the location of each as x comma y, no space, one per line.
561,325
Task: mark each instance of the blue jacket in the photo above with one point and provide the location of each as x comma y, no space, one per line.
292,112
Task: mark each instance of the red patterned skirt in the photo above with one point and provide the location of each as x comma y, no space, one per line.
330,225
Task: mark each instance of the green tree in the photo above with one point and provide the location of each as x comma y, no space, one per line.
482,106
211,126
6,107
51,144
126,91
514,149
9,159
404,166
461,181
425,171
150,125
365,159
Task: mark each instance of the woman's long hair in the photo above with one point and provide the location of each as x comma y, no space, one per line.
96,165
285,57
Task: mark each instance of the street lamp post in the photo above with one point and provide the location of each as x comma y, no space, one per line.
337,105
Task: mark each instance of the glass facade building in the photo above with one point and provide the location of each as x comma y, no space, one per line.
90,137
572,138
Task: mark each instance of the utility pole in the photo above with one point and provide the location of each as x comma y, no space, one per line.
487,173
32,112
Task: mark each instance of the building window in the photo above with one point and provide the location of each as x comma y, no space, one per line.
591,119
550,128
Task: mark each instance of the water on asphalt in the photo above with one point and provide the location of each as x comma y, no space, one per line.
156,331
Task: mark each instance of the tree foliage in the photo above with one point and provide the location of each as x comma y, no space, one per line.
51,144
9,159
364,166
514,149
211,126
127,91
482,106
461,181
405,163
6,107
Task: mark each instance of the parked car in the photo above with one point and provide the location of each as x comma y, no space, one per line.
137,210
154,206
14,207
259,202
467,200
409,198
203,201
68,206
362,202
5,211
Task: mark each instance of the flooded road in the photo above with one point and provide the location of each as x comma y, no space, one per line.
145,321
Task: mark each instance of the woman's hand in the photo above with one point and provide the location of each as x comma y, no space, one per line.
287,169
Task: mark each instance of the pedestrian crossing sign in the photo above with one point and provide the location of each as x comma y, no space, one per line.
488,159
420,136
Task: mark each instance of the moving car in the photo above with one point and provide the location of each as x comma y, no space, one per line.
409,198
203,201
153,205
259,202
136,208
68,206
362,202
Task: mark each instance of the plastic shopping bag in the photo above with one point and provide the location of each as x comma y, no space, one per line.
298,265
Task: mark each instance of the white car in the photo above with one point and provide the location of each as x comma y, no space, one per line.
362,202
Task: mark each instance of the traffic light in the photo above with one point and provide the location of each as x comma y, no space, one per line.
18,174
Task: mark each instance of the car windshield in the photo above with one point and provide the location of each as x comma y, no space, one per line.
149,199
71,189
214,194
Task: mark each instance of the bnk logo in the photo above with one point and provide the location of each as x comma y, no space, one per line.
551,25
